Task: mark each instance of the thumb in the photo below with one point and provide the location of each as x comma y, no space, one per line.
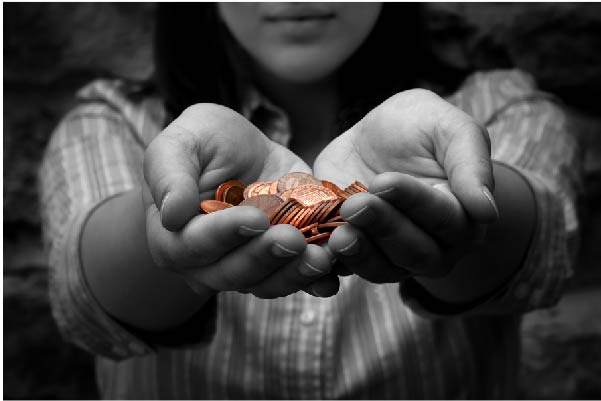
171,170
468,165
206,145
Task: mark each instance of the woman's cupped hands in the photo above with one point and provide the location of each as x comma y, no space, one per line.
235,249
426,163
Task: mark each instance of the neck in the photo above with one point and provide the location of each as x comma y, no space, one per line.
311,108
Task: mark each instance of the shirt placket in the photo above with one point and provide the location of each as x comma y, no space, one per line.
310,330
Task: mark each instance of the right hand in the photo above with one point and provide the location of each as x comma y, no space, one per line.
234,249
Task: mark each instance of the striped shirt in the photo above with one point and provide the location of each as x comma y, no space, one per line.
368,341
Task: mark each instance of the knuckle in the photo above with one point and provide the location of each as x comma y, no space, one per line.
227,281
201,255
386,229
415,94
420,258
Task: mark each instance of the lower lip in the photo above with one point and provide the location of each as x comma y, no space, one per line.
300,29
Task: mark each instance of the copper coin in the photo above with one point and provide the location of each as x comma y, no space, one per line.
246,192
301,219
331,226
286,194
315,214
350,190
312,194
234,195
290,214
319,212
298,217
293,180
308,228
335,219
267,203
262,189
304,221
344,195
335,210
256,188
319,238
276,215
327,209
360,186
273,188
316,211
331,186
211,205
221,189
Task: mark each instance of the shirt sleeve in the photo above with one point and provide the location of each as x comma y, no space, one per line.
93,155
530,133
87,162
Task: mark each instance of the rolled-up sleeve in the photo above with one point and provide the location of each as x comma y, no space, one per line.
91,157
530,133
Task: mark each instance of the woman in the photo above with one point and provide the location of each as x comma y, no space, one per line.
245,310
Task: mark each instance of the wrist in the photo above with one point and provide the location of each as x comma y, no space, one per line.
491,263
121,273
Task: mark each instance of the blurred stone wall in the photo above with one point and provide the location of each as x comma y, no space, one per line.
51,49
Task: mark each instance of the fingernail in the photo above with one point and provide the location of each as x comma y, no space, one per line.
249,232
364,214
331,254
163,203
282,252
491,199
307,269
350,249
385,191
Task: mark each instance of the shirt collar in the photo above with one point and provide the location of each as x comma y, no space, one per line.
269,118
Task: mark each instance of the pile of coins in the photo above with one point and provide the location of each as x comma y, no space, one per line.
299,199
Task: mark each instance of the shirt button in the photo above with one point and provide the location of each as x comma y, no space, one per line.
136,348
307,317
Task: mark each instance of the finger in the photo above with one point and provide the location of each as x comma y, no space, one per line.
404,244
314,263
433,208
206,238
359,255
206,145
171,170
252,262
465,149
338,268
324,287
341,270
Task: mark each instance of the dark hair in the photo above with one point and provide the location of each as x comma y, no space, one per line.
194,52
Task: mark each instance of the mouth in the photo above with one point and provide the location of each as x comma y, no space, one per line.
299,15
300,18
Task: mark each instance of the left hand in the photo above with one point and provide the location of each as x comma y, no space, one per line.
428,169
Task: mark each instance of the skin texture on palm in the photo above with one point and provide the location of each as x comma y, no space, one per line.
417,133
430,178
206,145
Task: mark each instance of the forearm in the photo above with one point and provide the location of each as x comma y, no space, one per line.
494,261
121,273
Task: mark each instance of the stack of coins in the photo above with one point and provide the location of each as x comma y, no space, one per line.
299,199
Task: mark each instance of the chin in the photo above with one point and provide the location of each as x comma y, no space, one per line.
304,73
